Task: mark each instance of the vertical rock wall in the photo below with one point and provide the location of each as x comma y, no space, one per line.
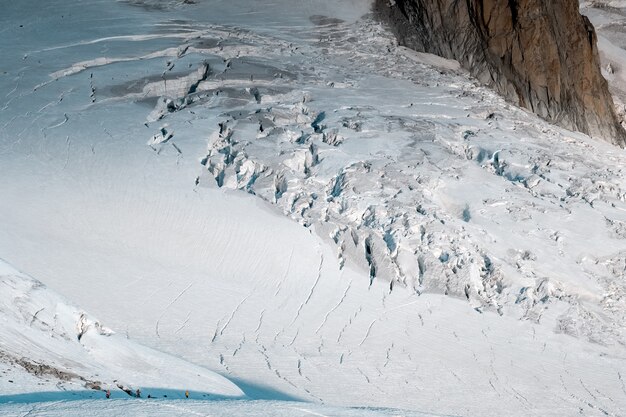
539,54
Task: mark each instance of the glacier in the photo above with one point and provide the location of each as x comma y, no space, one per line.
283,197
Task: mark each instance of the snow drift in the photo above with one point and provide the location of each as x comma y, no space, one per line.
297,202
44,338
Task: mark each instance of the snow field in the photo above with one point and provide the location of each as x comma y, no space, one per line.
458,255
41,334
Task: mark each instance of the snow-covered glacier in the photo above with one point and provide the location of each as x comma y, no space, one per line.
278,193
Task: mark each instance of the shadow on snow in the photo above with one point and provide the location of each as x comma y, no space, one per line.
146,393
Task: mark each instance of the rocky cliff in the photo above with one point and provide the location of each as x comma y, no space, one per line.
539,54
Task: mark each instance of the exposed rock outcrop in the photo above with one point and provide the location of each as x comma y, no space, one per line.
539,54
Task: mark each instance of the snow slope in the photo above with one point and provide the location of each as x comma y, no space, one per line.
185,408
294,201
62,348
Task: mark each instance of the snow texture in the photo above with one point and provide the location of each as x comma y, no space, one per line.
285,196
46,338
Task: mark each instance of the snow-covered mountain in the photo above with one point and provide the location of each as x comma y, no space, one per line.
50,345
540,55
284,196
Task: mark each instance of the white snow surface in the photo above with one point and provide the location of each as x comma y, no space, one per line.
185,408
283,195
44,336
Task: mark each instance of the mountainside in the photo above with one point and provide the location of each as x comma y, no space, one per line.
540,54
285,196
47,343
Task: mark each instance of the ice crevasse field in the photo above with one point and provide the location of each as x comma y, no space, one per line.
275,207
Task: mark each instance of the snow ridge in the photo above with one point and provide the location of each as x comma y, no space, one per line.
41,335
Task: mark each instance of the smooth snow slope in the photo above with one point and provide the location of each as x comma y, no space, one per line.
186,408
43,336
154,160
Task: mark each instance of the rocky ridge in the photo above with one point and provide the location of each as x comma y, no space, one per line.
540,55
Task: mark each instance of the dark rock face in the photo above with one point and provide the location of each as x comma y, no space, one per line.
539,54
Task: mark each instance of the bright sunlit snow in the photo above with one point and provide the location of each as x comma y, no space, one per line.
50,338
289,205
